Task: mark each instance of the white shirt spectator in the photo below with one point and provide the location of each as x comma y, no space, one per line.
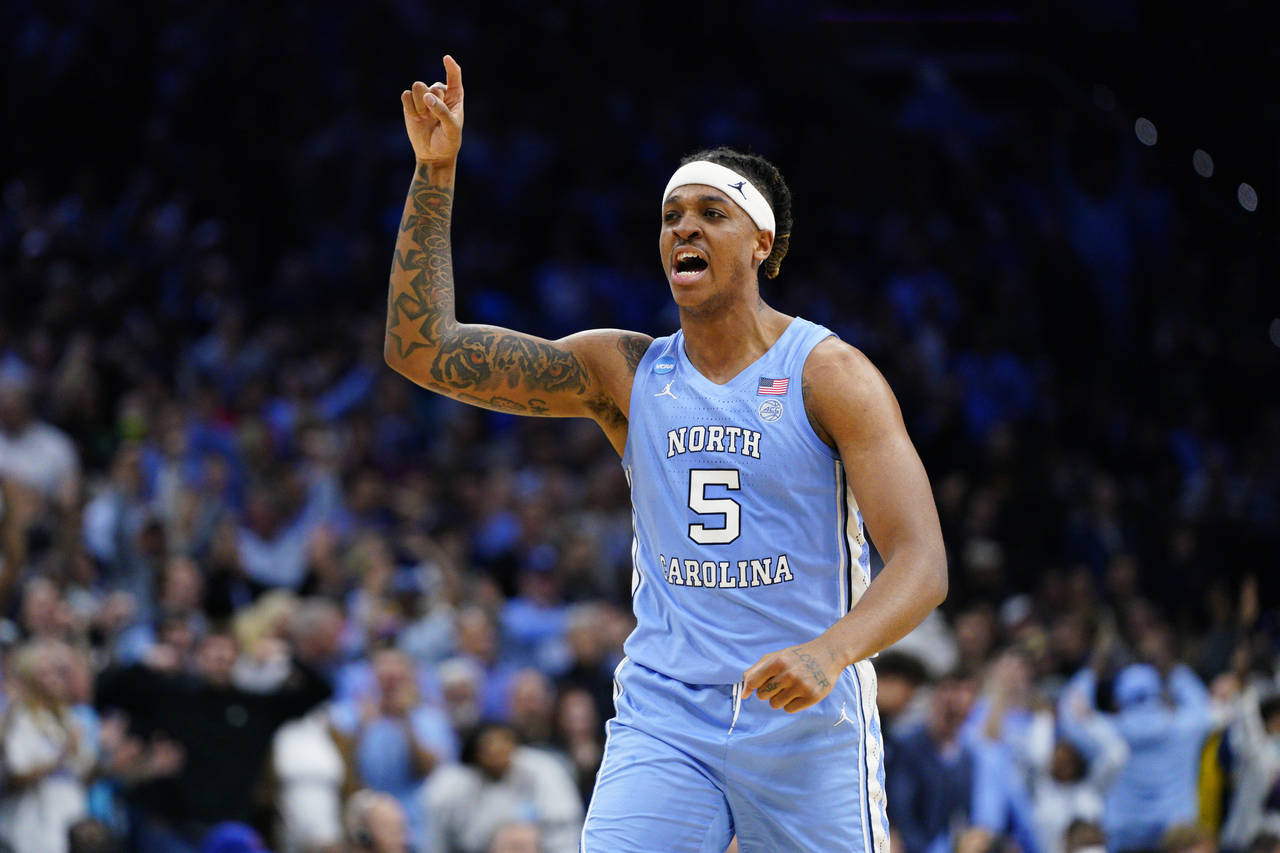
466,808
1256,774
311,772
39,455
35,818
1057,802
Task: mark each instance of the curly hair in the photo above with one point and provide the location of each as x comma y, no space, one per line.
766,178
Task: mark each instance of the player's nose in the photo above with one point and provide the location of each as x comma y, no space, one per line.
685,229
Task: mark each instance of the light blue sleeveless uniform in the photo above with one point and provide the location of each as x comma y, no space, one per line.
747,541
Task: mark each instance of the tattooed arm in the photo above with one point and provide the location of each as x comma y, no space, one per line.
584,375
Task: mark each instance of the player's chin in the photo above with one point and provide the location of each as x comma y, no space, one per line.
693,296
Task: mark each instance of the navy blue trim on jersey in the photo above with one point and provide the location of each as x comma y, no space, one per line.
842,483
864,728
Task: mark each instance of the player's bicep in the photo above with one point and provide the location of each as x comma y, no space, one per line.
510,371
893,493
854,405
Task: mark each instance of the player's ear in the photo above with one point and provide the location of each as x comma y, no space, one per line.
764,245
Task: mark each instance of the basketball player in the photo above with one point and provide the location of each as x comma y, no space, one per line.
755,444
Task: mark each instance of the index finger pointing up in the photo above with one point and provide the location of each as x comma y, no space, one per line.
453,74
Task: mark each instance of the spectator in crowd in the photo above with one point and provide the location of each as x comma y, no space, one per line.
317,629
1188,838
1253,738
533,623
375,823
47,754
1074,759
397,738
532,703
461,681
898,678
516,838
1164,721
589,665
32,452
280,518
225,733
312,774
577,736
91,836
931,780
499,782
262,641
44,615
478,642
120,527
125,763
1084,836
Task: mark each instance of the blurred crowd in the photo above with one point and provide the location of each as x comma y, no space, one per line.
259,592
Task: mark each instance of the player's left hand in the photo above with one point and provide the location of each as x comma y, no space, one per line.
795,678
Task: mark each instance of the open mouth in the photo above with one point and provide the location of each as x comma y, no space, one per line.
688,264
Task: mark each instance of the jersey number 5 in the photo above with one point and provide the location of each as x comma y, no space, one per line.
699,479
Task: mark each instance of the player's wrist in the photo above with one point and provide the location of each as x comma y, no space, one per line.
434,173
437,166
845,648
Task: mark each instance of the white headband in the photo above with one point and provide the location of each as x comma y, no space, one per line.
729,182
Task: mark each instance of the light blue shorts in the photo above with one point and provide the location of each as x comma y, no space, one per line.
675,778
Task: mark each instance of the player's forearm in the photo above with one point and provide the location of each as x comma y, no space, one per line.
482,365
420,301
912,583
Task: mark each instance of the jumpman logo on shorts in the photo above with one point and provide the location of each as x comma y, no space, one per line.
667,391
844,717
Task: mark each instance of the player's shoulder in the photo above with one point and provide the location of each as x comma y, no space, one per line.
844,393
836,365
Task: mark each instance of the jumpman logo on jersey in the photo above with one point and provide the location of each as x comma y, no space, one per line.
844,717
739,187
667,391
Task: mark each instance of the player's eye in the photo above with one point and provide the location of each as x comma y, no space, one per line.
670,216
713,213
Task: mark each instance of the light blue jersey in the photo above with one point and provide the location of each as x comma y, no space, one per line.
747,536
747,540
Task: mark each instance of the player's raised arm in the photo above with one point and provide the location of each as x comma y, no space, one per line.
584,375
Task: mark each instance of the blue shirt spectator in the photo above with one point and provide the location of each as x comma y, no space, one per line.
397,737
1164,723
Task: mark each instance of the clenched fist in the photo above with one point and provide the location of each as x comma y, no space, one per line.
433,116
795,678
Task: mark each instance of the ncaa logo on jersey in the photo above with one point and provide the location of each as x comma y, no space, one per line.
770,410
666,364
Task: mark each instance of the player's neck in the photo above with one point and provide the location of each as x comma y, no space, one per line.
721,343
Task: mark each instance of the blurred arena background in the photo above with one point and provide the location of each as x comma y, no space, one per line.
247,571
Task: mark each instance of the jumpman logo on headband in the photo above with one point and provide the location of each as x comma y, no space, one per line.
739,187
667,391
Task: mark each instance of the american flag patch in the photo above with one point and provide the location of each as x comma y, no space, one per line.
772,386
